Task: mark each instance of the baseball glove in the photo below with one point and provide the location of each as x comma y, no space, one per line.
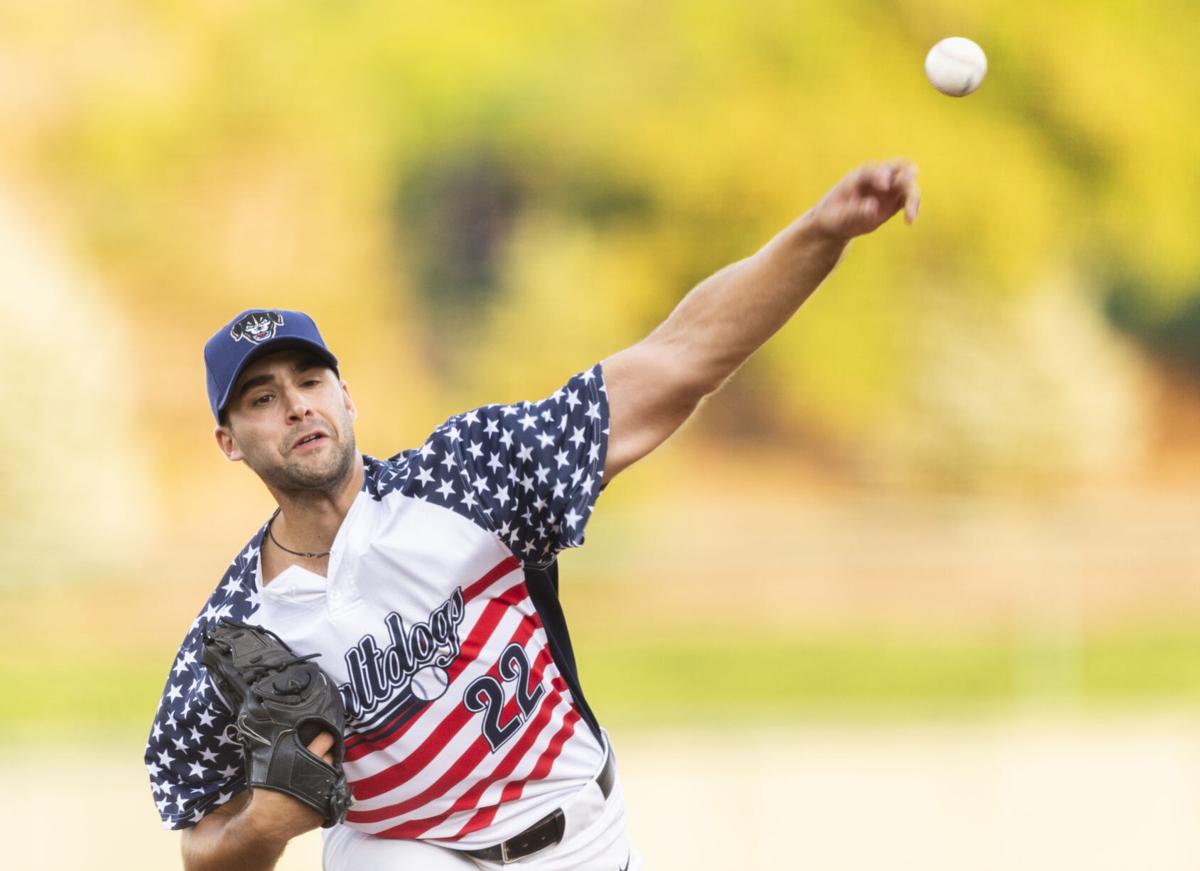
282,701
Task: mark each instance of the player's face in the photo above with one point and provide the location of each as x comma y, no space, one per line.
291,420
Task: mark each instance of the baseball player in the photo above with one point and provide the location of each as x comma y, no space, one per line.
427,582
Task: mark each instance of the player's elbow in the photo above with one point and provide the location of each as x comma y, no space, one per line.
678,373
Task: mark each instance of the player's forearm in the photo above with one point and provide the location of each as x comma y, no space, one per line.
730,314
655,385
236,844
249,839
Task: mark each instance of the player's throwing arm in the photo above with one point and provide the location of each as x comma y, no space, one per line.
656,384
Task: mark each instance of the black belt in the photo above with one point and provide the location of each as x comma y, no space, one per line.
547,831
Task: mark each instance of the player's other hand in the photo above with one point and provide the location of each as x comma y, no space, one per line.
283,816
322,746
866,198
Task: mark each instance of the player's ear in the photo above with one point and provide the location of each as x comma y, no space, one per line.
227,443
349,401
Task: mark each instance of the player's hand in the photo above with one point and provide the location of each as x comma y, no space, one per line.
279,815
866,198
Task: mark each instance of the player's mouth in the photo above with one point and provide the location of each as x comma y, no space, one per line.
309,441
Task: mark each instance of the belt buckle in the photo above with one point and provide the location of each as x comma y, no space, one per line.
550,830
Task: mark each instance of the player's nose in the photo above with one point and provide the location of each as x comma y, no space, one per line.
297,405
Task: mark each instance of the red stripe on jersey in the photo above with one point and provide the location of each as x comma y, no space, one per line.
362,745
406,769
513,790
469,799
494,574
461,769
400,772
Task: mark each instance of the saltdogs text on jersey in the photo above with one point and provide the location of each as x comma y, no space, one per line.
376,676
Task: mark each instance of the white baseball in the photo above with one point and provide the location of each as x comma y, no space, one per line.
429,683
956,66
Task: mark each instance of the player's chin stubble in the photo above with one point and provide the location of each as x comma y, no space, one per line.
298,476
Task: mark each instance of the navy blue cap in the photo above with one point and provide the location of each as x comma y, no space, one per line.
251,334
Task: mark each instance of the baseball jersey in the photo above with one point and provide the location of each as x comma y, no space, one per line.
439,621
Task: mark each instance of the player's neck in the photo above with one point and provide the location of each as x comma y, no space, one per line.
309,520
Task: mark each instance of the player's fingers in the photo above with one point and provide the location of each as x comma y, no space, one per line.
912,204
887,178
899,171
904,188
321,745
862,180
871,178
912,200
905,172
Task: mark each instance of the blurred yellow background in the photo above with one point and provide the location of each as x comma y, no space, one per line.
957,493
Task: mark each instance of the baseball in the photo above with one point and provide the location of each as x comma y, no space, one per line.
956,66
429,683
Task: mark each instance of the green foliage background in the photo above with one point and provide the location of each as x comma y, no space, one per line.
475,199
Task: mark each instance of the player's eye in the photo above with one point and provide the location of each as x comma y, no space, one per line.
311,382
262,399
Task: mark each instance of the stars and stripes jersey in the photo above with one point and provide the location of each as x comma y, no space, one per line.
439,621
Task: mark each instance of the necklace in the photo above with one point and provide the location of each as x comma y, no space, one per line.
275,541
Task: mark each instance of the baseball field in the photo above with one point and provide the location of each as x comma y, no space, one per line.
824,727
1017,795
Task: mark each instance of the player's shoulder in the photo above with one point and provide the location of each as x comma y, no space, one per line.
382,477
407,472
473,449
237,594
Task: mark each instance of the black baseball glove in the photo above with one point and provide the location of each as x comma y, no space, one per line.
282,701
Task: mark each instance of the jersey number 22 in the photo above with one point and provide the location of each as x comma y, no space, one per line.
486,694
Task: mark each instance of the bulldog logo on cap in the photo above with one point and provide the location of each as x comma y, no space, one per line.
256,327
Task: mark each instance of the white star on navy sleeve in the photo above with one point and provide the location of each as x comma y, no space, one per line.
193,766
529,471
